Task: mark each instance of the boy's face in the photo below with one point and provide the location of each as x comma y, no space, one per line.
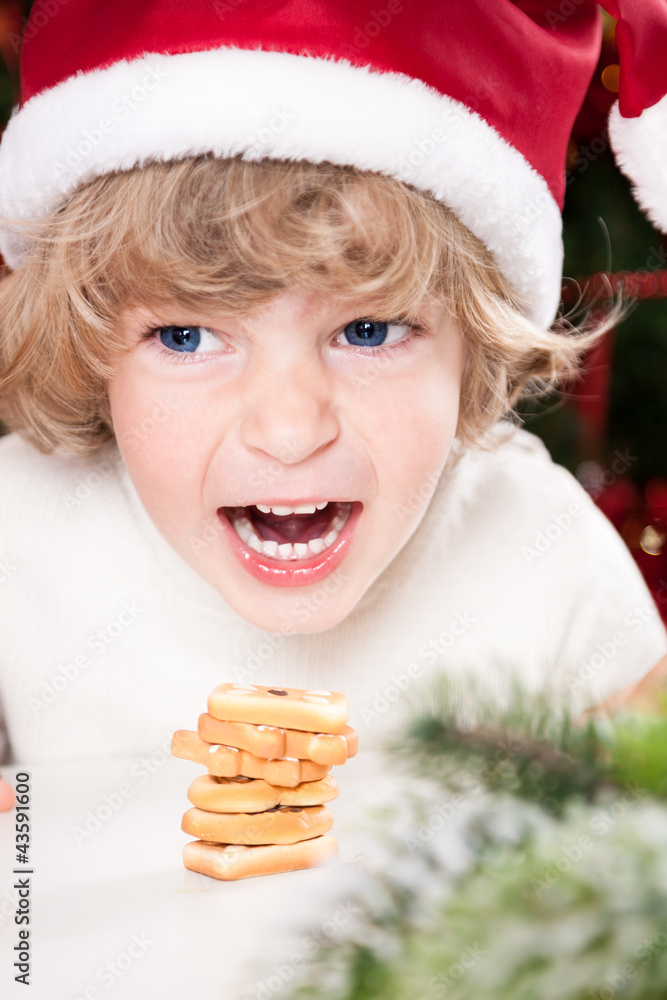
291,406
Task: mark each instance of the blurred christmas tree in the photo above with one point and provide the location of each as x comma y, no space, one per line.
604,231
609,428
521,859
12,16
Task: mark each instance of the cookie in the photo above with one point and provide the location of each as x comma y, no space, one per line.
230,762
234,861
262,741
271,741
280,825
247,795
312,711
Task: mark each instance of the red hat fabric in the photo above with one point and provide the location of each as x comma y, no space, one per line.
472,101
638,121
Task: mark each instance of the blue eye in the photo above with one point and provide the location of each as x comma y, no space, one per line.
181,338
380,335
366,333
198,341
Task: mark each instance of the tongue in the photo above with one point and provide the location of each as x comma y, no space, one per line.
292,527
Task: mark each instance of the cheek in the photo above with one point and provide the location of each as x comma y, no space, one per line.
157,435
413,426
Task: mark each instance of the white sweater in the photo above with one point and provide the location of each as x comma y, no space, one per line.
109,641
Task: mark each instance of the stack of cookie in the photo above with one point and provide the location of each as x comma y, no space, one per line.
268,753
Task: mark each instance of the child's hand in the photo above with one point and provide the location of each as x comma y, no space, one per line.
648,695
7,797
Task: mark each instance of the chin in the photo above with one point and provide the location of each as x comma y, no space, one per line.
300,616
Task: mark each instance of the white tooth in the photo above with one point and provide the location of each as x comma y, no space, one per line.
306,508
321,506
264,510
269,548
338,522
285,550
331,537
281,511
316,545
243,529
247,534
301,549
254,543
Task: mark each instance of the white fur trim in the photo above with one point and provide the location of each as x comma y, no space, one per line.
227,101
640,148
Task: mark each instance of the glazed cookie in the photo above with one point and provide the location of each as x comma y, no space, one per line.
234,861
271,741
290,708
280,825
248,795
229,762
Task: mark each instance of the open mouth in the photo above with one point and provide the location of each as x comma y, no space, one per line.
289,534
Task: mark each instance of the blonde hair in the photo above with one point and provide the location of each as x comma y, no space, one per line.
229,234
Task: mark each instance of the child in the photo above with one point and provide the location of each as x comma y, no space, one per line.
266,314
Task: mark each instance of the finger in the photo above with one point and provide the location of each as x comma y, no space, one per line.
7,797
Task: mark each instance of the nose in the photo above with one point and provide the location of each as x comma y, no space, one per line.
290,416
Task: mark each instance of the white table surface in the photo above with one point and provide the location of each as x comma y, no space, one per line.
201,938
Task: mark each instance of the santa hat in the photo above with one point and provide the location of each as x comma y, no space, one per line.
472,101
